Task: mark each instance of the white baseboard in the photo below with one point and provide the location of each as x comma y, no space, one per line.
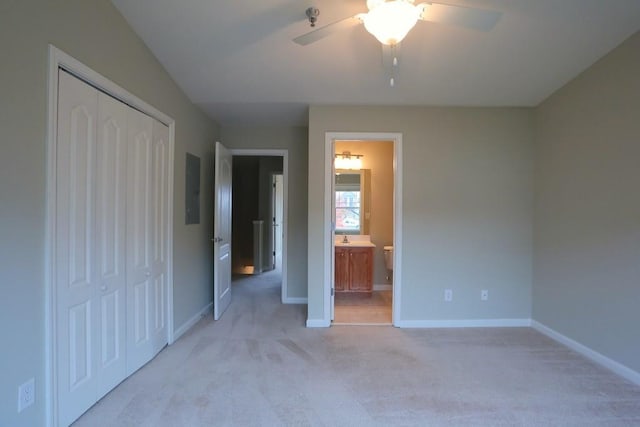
593,355
318,323
383,287
295,300
189,323
465,323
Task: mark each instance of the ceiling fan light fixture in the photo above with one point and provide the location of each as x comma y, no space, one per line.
390,21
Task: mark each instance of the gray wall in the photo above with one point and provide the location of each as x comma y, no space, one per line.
467,198
96,34
587,216
293,139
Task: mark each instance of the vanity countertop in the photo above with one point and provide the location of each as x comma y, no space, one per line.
359,241
356,244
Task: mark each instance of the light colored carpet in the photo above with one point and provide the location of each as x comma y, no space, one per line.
259,366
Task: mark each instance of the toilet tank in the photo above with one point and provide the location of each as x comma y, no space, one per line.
388,257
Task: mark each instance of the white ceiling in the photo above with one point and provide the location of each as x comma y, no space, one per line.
237,61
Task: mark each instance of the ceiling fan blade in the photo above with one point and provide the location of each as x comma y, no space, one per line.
327,30
475,19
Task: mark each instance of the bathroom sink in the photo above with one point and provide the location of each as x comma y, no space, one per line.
359,241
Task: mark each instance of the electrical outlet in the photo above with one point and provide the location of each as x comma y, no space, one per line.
484,295
26,394
448,295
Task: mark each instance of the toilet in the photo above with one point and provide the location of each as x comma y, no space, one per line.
388,260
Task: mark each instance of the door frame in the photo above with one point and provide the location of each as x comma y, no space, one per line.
267,152
60,60
329,243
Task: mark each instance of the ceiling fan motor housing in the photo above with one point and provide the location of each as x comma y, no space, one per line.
312,13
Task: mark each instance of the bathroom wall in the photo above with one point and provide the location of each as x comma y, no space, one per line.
377,157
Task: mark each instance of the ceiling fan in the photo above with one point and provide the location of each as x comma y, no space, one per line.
389,21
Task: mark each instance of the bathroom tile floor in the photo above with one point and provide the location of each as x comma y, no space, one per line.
363,309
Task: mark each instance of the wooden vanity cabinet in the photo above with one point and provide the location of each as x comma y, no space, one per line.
354,269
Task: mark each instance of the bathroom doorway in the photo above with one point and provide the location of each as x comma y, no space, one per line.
363,207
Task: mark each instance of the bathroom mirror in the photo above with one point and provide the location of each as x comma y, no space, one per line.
352,190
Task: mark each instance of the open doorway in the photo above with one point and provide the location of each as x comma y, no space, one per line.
363,212
259,224
348,144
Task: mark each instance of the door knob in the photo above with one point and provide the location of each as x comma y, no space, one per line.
217,239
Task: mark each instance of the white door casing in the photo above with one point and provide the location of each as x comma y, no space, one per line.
332,272
222,231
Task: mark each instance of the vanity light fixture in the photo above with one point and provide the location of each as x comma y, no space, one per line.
347,160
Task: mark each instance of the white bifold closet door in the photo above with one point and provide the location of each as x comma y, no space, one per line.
146,238
110,257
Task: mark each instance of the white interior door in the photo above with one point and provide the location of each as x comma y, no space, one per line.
90,245
76,309
332,272
159,221
278,204
222,231
139,241
110,249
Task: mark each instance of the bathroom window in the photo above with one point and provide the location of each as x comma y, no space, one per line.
348,212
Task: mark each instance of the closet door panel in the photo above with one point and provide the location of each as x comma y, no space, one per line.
158,238
110,229
75,274
139,240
